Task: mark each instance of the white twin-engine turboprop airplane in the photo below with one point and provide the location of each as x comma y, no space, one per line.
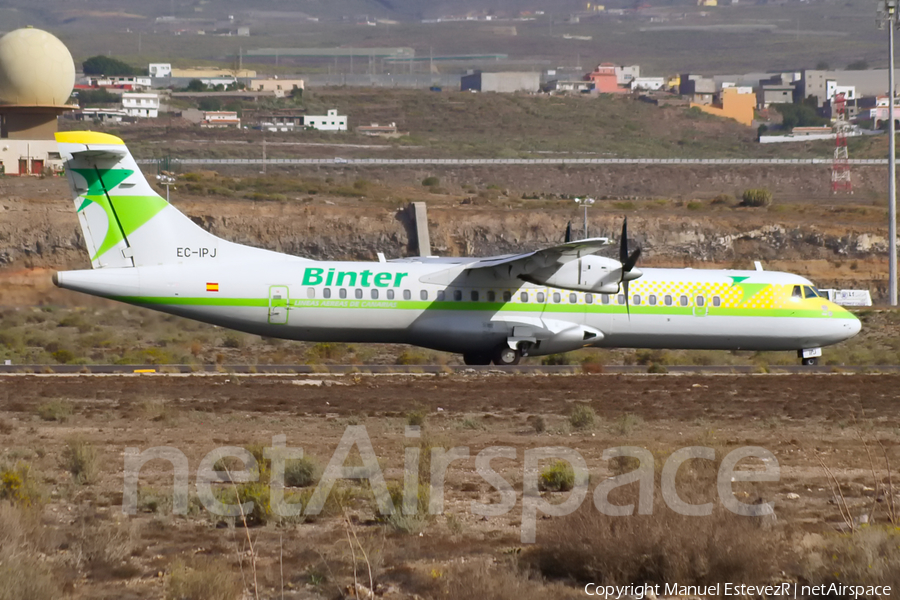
145,252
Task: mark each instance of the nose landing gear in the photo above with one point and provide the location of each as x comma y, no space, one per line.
809,356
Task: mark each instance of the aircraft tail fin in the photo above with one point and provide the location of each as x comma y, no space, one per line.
124,221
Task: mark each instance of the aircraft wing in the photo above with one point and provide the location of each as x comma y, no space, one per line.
523,264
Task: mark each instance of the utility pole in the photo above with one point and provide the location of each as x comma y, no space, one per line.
888,17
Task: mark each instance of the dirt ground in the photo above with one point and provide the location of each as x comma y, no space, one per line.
806,421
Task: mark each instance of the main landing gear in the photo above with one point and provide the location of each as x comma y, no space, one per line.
502,356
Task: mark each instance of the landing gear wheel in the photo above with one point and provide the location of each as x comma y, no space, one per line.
810,361
476,359
506,356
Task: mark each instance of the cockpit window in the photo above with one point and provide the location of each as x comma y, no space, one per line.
796,292
810,292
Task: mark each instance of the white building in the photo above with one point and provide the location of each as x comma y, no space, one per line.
832,89
625,74
141,105
220,118
648,83
330,122
137,82
160,70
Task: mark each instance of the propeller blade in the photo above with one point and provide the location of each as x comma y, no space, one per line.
623,242
627,306
569,232
628,265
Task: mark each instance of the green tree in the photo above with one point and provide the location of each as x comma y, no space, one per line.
98,96
195,85
105,65
209,104
799,115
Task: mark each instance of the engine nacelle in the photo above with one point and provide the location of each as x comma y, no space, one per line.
592,273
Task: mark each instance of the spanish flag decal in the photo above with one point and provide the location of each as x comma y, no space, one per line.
212,287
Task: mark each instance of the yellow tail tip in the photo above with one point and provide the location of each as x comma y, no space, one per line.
87,137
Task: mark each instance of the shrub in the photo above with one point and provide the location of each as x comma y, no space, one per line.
627,423
19,487
868,556
55,410
431,181
416,418
537,423
302,472
211,580
582,417
657,368
756,197
233,340
80,459
589,546
558,477
722,199
63,356
561,359
404,523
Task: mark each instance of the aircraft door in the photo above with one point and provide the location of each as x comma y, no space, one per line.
278,304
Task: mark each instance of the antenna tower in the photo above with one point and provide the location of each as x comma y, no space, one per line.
840,168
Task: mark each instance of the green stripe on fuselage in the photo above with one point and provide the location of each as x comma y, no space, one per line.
493,307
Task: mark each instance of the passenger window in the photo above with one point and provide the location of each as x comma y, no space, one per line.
683,301
604,298
342,293
492,296
620,299
441,295
390,294
407,295
589,298
474,295
523,297
423,295
507,296
556,297
326,293
540,297
457,295
573,298
358,293
652,300
717,302
795,293
374,294
310,292
668,300
700,301
636,299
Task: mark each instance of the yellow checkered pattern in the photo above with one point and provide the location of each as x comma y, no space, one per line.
732,296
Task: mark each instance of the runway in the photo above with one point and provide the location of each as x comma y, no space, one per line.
224,369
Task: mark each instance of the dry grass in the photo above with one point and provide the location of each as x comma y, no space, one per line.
588,546
207,580
868,556
80,459
23,576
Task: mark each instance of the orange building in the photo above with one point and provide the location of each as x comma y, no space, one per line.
604,78
732,105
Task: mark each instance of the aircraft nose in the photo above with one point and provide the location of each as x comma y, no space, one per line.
852,326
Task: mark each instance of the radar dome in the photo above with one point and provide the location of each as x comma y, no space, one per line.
36,69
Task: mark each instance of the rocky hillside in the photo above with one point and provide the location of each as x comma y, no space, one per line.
833,245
